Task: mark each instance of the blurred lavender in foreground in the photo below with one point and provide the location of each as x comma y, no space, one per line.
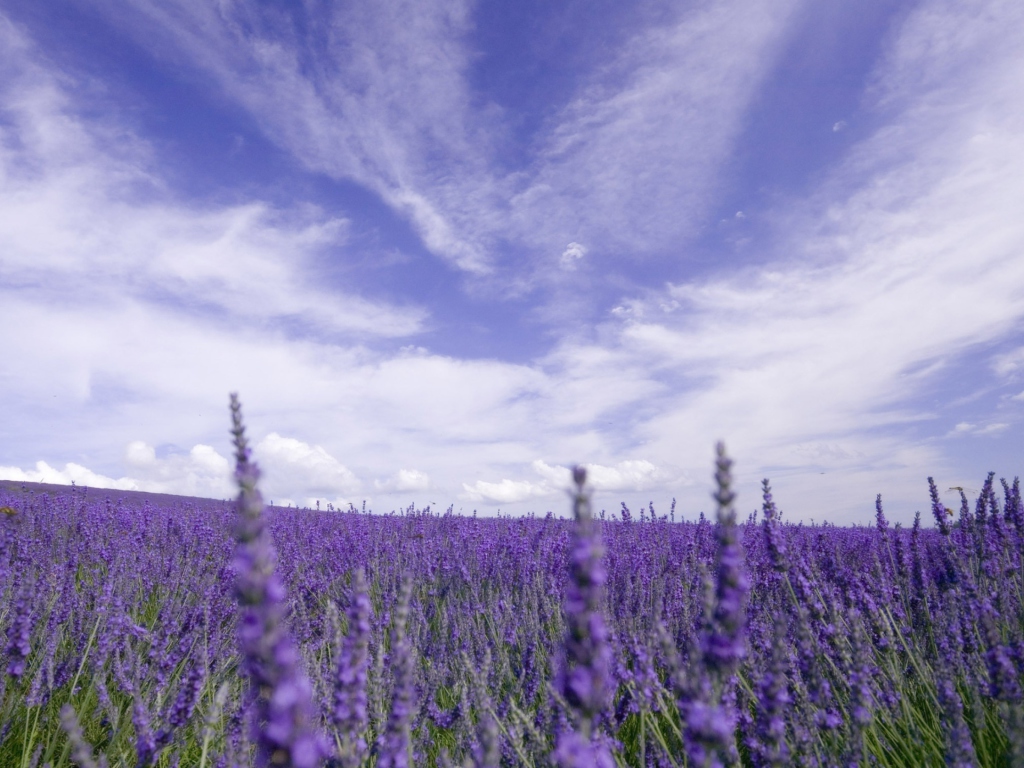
585,679
81,752
395,744
280,693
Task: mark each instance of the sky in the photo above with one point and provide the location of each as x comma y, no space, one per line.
446,250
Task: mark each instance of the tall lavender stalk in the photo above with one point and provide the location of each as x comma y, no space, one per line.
708,715
769,748
280,693
724,645
81,752
349,713
774,536
395,744
938,509
585,678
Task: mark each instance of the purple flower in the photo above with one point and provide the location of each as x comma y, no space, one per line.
280,693
585,678
724,645
772,700
1013,505
81,752
959,747
19,634
145,741
395,744
1002,673
707,710
185,701
350,701
572,750
938,509
774,536
881,524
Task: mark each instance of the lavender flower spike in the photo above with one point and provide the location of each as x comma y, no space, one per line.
349,714
773,530
724,645
395,744
585,679
280,693
81,752
938,509
709,717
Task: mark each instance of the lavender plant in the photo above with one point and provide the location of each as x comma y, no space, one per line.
280,693
585,677
122,635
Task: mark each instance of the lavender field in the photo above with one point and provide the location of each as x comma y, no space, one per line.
217,634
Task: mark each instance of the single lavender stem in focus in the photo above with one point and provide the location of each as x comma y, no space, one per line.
938,509
584,681
774,536
707,713
724,645
281,694
881,524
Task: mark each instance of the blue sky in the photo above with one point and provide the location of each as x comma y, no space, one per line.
445,250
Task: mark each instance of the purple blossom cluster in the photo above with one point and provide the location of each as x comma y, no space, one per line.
183,632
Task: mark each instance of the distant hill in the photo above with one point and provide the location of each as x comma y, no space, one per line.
13,491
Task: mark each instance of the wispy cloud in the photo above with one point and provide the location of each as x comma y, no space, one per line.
384,98
375,95
1009,364
85,214
910,255
634,161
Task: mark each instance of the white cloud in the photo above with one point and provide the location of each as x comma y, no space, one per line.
72,473
386,104
504,492
292,464
200,472
1009,364
966,428
992,429
625,476
405,480
633,161
629,475
139,454
572,255
632,158
85,212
